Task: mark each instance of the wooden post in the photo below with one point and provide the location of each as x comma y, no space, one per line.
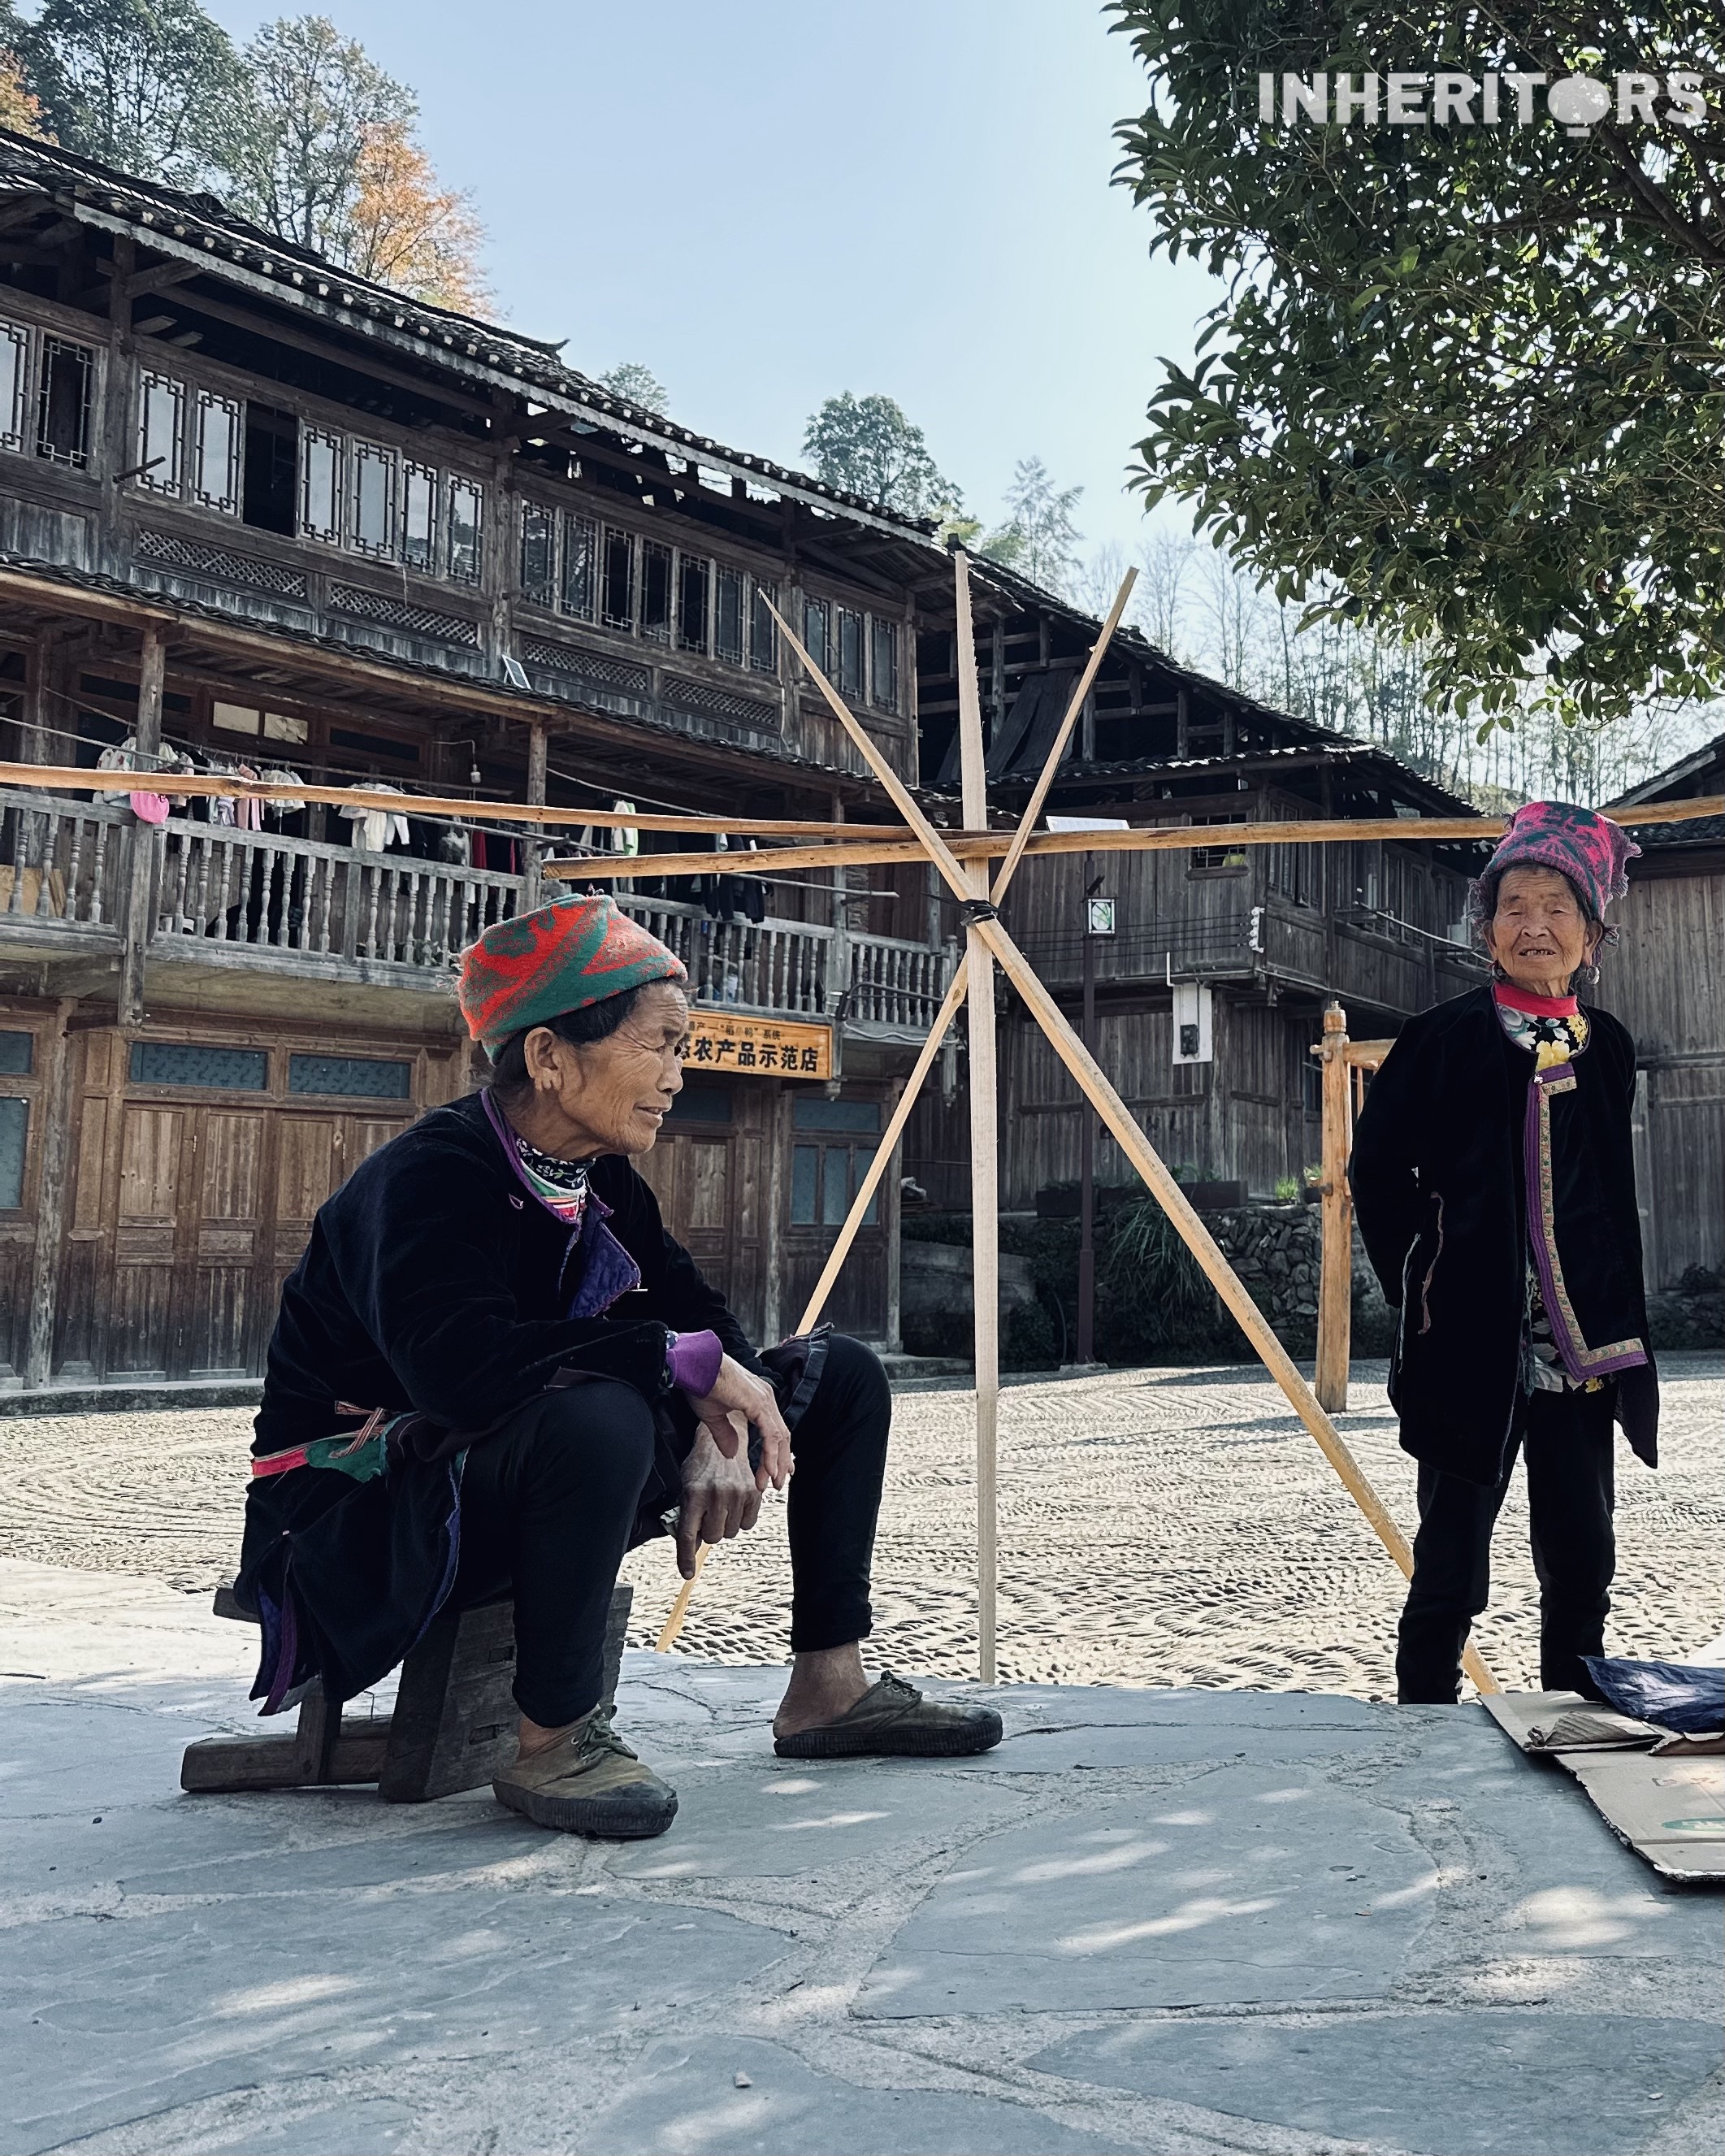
1085,1351
137,924
55,1099
1335,1292
534,846
984,1135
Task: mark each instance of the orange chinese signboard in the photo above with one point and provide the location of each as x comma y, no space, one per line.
764,1047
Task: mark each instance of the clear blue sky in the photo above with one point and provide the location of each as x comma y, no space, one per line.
769,201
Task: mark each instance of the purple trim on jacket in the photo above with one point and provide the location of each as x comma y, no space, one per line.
608,1270
1579,1361
694,1360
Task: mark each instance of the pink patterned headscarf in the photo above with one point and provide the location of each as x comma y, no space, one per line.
1591,850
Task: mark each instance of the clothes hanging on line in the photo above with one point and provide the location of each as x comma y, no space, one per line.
374,829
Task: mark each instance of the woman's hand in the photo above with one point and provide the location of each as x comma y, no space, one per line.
737,1392
720,1497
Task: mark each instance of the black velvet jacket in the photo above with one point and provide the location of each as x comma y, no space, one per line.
435,1281
432,1281
1438,1181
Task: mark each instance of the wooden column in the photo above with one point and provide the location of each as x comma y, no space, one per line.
533,849
1335,1292
984,1141
891,1198
143,840
54,1105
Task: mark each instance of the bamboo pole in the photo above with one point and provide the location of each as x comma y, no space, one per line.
62,777
984,1087
895,1130
1143,1156
673,1622
1335,1290
1164,838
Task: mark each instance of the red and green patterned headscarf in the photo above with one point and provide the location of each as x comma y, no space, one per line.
578,951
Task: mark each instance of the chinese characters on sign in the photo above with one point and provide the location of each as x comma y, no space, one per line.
762,1046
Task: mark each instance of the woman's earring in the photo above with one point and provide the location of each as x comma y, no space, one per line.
1589,974
1497,972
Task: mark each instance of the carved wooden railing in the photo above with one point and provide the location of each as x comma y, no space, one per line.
286,899
60,860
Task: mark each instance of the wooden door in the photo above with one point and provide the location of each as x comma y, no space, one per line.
692,1176
155,1148
221,1328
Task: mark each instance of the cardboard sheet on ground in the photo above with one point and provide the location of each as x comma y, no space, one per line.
1667,1803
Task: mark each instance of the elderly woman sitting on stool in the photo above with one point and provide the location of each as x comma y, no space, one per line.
541,1372
1495,1185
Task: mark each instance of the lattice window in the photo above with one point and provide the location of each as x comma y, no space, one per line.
693,582
1217,857
587,666
763,631
466,506
398,613
320,484
14,1151
883,660
848,654
539,550
818,633
655,591
374,526
580,564
161,433
174,552
215,455
356,1077
728,615
700,697
618,601
63,402
418,525
14,379
183,1063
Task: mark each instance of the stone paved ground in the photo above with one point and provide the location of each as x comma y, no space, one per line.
1156,1526
1172,1923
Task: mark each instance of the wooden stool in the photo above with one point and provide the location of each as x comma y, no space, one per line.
453,1727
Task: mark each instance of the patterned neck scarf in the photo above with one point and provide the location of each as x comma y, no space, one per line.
1553,1029
561,1185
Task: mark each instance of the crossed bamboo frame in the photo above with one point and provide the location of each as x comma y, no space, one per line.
987,943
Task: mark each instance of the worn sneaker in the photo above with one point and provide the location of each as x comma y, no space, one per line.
893,1719
589,1782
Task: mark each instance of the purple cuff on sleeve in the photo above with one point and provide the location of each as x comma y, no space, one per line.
694,1358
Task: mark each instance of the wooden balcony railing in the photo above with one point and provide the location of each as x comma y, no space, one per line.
294,903
60,860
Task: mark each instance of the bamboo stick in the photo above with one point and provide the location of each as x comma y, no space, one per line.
984,1087
1198,1239
1334,1291
60,777
1143,1156
1051,763
840,1250
1167,838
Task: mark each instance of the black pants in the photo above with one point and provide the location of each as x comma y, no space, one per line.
1567,1438
550,1502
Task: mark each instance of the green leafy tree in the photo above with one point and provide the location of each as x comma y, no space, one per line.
866,445
1466,385
637,384
1038,539
140,83
312,110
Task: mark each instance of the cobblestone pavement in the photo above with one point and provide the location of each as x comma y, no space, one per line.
1156,1526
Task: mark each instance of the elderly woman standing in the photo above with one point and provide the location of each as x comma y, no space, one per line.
1494,1182
495,1372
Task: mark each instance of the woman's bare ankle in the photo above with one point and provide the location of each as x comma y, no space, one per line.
533,1737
